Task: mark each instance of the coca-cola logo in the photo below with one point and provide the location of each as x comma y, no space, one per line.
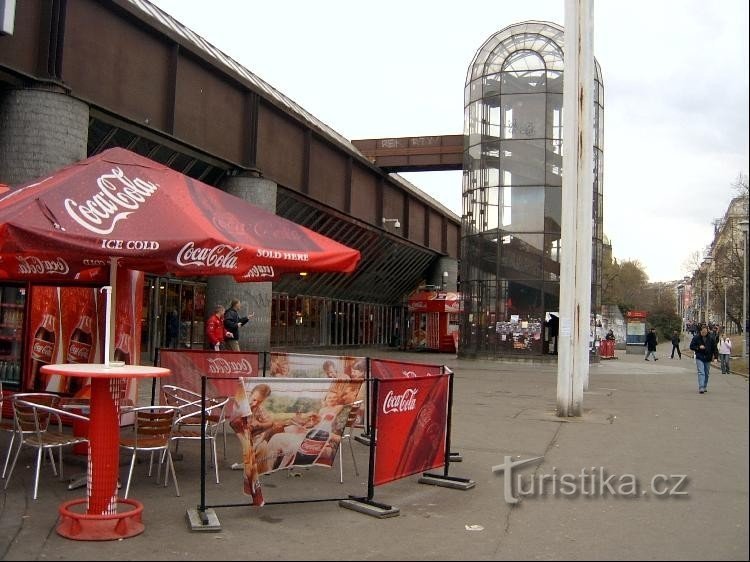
41,350
273,230
30,265
259,272
403,402
221,366
78,352
221,256
104,210
409,374
229,223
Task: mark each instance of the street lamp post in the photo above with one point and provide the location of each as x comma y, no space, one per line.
743,227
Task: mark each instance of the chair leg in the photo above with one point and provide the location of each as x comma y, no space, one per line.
216,461
130,475
354,458
38,465
341,464
10,450
13,464
170,466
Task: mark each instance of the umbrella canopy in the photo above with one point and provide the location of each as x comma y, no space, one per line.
121,206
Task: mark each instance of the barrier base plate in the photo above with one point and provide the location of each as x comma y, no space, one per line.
364,439
456,483
369,509
210,522
456,457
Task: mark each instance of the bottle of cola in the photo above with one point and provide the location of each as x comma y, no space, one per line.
42,350
124,345
80,347
314,441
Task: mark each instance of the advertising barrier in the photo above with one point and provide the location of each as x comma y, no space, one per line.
296,416
410,422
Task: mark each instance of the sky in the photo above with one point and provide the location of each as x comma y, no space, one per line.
675,76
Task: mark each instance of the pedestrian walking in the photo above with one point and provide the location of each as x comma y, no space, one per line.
725,351
676,344
651,344
215,331
232,322
704,347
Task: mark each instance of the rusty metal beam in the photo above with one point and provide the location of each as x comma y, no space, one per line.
414,154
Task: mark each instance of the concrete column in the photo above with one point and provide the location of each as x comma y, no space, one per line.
255,297
41,130
437,273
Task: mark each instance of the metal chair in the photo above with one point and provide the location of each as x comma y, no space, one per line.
151,431
33,415
214,419
188,403
347,434
9,425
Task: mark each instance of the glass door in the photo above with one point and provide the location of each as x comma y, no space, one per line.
12,312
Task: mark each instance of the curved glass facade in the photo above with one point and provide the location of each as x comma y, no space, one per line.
512,181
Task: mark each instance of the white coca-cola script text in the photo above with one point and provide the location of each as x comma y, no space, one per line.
400,402
118,196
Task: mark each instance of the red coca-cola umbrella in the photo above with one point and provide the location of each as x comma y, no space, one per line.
120,209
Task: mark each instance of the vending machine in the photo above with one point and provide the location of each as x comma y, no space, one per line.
12,320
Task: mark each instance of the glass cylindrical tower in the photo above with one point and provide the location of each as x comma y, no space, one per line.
512,181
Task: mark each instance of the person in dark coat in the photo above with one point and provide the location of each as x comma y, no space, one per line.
651,344
704,347
676,344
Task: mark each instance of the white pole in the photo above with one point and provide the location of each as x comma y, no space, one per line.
107,316
744,290
577,196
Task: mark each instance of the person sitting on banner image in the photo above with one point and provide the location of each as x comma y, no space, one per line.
232,322
725,351
676,344
250,429
215,331
650,344
279,365
704,347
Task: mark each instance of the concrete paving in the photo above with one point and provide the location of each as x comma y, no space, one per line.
654,471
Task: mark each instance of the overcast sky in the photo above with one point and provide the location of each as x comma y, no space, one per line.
675,78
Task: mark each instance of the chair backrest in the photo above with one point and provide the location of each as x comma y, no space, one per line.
215,413
154,421
181,398
30,419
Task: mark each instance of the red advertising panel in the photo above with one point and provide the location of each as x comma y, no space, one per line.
223,369
384,369
286,422
410,423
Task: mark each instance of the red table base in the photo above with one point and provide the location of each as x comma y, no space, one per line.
107,527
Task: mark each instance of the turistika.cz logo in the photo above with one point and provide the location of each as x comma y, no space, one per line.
590,482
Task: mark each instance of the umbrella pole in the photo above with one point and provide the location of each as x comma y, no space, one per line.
109,320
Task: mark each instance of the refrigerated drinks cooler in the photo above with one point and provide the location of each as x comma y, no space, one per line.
12,317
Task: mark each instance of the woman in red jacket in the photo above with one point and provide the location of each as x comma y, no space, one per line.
215,332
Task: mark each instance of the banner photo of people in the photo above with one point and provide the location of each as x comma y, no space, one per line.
221,368
329,366
410,423
292,422
384,369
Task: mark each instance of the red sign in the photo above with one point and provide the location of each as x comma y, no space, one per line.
410,425
383,369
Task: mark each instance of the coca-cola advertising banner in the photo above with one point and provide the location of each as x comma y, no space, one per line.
328,366
222,369
68,327
410,424
309,366
282,423
384,369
